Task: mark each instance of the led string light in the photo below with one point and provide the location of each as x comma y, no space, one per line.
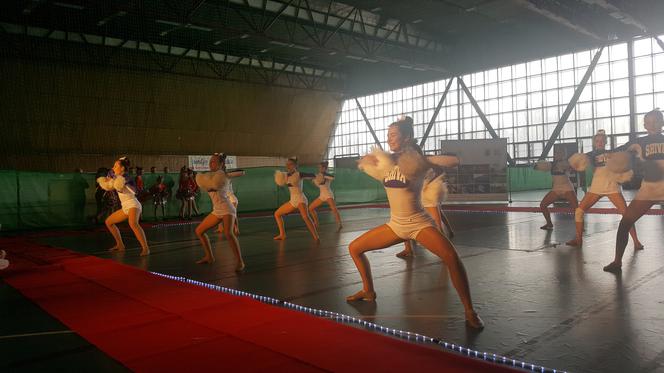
341,318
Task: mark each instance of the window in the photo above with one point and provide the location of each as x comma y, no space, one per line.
522,102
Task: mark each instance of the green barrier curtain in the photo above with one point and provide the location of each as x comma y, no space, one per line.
47,200
32,200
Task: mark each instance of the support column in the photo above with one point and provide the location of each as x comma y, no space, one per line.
483,117
435,113
570,105
366,120
632,90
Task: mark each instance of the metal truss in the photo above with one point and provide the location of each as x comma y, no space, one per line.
31,42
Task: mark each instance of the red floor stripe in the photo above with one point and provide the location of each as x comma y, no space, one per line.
153,324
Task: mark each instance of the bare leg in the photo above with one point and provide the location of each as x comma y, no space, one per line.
375,239
446,222
335,211
407,250
182,202
619,201
548,199
634,212
438,244
588,201
134,217
115,218
312,210
284,209
233,242
236,222
207,223
434,212
307,220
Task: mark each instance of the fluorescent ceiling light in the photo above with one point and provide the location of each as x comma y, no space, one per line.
70,6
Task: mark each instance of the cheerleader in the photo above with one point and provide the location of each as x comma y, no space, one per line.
562,187
231,196
402,174
187,192
159,193
323,181
606,182
223,211
650,149
434,193
298,201
120,182
4,263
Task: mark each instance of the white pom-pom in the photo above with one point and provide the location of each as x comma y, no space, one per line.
105,183
376,164
4,263
3,254
619,162
281,178
444,160
211,180
579,162
435,190
543,166
413,164
119,183
624,177
319,179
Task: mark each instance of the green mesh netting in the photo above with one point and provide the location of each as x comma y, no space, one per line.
33,200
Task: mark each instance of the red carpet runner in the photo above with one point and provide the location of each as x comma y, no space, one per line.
153,324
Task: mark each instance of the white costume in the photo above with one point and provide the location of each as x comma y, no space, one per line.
126,191
407,215
559,169
230,194
294,182
434,191
216,184
324,181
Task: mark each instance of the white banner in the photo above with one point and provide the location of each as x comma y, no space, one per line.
202,162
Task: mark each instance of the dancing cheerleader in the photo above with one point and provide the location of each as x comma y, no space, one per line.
402,174
159,192
434,193
649,149
119,181
298,201
323,181
4,263
562,187
606,182
215,183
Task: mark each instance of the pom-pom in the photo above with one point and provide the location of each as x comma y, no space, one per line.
619,162
444,160
211,180
376,164
435,190
4,263
119,183
280,178
413,164
543,166
579,161
105,183
624,177
3,254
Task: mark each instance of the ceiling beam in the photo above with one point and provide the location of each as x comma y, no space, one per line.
544,9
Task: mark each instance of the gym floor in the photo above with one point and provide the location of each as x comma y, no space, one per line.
542,301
